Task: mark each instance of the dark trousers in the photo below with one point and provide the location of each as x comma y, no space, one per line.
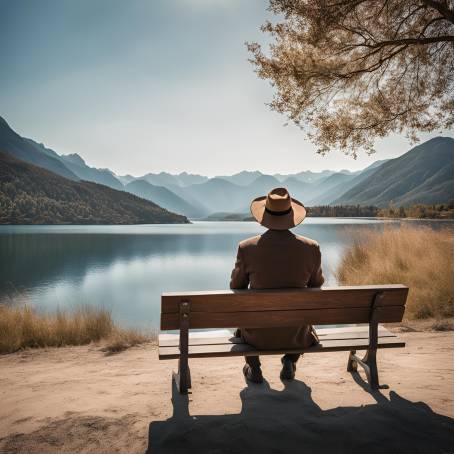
254,361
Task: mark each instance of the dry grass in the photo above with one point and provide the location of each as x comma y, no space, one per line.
23,327
122,339
443,325
420,258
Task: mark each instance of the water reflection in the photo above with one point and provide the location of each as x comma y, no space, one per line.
126,268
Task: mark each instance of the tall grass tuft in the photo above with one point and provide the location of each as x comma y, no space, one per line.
421,258
23,327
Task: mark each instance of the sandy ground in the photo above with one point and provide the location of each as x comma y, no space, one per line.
81,400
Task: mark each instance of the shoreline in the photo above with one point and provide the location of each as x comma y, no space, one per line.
379,218
192,220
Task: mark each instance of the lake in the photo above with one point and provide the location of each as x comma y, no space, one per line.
126,268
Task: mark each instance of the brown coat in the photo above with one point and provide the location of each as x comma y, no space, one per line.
277,259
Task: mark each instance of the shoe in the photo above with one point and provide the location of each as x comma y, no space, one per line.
253,375
288,369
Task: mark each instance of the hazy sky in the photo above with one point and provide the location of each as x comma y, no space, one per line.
151,85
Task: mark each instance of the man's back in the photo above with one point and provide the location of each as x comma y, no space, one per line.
277,259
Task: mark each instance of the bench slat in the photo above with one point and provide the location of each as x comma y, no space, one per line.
172,340
284,299
268,319
322,331
222,350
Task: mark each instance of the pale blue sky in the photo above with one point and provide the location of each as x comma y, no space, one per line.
151,85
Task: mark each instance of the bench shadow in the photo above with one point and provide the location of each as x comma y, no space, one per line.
287,421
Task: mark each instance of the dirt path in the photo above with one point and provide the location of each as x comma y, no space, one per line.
80,400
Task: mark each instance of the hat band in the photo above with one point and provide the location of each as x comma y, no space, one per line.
278,213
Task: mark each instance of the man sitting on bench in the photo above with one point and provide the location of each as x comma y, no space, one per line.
277,259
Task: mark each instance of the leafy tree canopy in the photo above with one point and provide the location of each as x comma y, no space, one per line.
351,71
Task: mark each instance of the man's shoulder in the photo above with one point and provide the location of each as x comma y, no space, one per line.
248,242
307,241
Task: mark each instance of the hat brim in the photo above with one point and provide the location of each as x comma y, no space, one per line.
280,222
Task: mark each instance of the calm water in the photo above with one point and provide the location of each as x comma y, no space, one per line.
126,268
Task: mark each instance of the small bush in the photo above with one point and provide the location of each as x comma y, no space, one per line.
420,258
121,340
443,325
23,327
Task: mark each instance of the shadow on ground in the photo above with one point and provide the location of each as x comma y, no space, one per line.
289,421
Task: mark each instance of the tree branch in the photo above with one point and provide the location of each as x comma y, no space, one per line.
436,19
393,42
444,10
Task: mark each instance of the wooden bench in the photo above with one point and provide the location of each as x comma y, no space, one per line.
372,304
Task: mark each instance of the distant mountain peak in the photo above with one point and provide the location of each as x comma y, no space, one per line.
74,158
243,178
31,151
248,172
438,139
4,122
220,181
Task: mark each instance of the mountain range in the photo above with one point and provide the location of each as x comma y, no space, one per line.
30,194
425,174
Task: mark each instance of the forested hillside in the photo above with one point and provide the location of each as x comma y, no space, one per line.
33,195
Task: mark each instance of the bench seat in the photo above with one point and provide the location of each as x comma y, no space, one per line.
216,343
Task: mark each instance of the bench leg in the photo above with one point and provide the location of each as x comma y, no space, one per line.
369,364
352,365
182,378
370,367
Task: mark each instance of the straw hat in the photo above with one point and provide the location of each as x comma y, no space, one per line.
277,210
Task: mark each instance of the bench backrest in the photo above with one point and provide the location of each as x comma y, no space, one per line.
284,307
